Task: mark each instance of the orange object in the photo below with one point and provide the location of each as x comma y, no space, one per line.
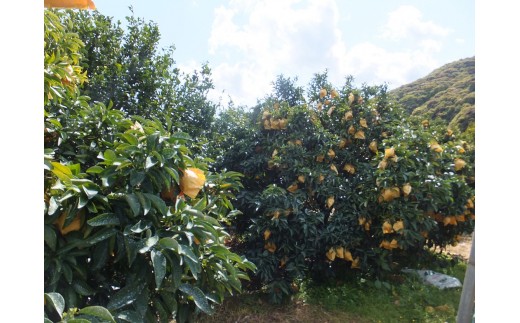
70,4
192,182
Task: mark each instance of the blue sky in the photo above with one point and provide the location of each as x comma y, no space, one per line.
247,43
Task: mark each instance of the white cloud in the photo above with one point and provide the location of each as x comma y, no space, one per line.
258,40
407,22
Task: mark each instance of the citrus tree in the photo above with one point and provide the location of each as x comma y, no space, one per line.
339,181
133,227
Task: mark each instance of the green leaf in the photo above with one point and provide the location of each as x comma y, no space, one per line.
169,243
125,296
61,171
173,173
149,244
145,202
90,192
49,236
109,155
150,162
100,235
98,311
56,302
158,203
134,203
82,288
136,177
198,297
95,170
104,219
131,139
159,267
130,316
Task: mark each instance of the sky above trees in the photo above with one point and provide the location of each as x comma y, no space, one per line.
249,43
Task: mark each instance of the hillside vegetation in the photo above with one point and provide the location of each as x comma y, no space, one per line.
447,93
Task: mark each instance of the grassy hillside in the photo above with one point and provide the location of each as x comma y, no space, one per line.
447,93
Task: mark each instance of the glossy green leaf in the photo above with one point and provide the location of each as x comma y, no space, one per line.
169,243
99,312
133,202
49,235
198,297
159,267
104,220
158,203
145,202
56,302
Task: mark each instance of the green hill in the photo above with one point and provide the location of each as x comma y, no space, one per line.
447,93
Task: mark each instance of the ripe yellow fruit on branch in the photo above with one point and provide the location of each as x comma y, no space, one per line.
301,179
398,226
331,154
275,124
363,123
266,115
320,158
267,125
351,98
407,189
436,147
349,115
270,246
267,234
387,228
425,123
360,134
373,147
334,169
75,225
362,220
339,252
342,143
389,152
331,254
459,164
321,178
388,194
334,94
351,130
330,201
382,164
449,220
389,245
329,113
192,181
293,187
349,168
323,92
283,124
71,4
347,255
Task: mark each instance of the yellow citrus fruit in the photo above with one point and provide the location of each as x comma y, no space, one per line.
349,115
334,169
270,246
267,234
192,181
382,164
387,228
342,143
389,152
351,98
349,168
347,255
351,130
330,201
398,226
320,158
459,164
334,94
293,187
355,263
360,134
331,154
373,147
363,123
75,225
331,254
339,252
407,189
301,179
323,92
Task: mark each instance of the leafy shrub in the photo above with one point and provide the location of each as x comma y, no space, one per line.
342,181
132,222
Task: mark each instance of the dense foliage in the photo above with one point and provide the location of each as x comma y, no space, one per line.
339,181
128,69
447,93
132,220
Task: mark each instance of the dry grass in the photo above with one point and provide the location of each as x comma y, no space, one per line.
249,308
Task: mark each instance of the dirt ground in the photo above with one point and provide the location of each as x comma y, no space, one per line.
463,249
